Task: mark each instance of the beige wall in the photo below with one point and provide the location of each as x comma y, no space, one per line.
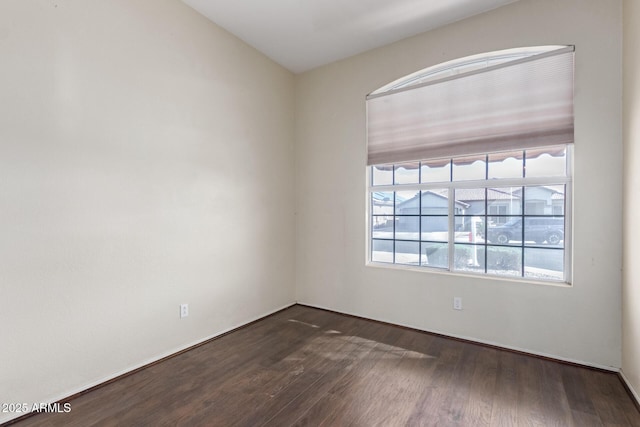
579,323
146,160
631,227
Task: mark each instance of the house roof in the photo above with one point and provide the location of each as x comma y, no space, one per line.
556,195
474,194
466,195
437,193
383,197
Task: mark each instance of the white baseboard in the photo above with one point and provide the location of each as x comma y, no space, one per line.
74,391
635,394
479,341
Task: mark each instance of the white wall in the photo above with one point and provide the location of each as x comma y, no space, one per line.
631,227
580,323
146,160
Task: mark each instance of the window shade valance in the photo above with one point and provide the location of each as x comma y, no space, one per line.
520,104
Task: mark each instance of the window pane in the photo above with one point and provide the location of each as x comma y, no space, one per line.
506,165
382,226
435,202
504,201
551,161
407,252
469,258
544,200
436,170
382,250
469,229
507,233
381,203
435,228
479,227
435,255
468,168
407,202
548,230
382,175
469,201
407,173
408,227
542,263
504,261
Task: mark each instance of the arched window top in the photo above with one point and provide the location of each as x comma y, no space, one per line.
466,65
500,101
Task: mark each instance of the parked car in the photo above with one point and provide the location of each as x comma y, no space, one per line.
537,229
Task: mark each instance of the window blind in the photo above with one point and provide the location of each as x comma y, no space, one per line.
521,104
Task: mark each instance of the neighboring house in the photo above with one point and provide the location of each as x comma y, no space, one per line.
500,204
542,201
435,205
499,201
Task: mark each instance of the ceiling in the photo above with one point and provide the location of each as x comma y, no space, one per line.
304,34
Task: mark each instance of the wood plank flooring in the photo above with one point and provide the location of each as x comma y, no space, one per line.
309,367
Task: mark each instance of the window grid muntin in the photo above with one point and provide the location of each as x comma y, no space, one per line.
394,232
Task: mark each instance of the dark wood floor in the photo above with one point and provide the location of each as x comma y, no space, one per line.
304,366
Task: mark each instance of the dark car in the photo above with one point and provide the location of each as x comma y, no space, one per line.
537,229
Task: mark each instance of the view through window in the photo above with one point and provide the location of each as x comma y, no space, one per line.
501,213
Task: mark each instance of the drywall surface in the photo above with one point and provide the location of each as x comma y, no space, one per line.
631,226
146,160
579,323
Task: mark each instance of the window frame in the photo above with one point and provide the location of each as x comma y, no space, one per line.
451,186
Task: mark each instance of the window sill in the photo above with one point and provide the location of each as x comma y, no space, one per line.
442,272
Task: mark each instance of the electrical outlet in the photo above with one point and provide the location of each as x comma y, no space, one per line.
457,303
184,310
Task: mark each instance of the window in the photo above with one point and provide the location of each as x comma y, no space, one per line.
475,179
455,223
499,211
